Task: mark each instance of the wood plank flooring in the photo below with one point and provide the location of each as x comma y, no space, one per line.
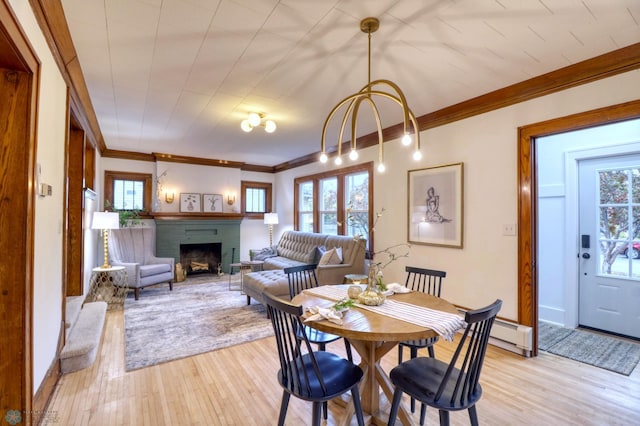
238,386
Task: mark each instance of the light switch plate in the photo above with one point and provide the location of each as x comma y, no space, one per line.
509,229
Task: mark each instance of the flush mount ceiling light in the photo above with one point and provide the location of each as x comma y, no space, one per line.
257,119
366,94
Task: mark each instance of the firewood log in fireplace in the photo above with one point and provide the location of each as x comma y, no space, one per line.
199,266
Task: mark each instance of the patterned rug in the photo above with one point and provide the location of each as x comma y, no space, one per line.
200,315
608,352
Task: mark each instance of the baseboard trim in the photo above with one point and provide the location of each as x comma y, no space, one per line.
41,399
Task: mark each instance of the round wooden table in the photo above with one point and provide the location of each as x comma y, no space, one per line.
373,336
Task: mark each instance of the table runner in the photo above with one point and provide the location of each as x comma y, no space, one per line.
443,323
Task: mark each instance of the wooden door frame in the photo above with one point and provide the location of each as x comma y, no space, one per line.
20,145
528,203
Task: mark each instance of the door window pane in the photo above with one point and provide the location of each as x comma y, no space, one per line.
619,222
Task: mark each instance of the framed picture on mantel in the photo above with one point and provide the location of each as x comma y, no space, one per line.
190,202
212,203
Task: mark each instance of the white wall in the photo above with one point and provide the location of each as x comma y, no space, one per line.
486,268
49,211
557,232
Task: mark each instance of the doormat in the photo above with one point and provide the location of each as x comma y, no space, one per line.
610,353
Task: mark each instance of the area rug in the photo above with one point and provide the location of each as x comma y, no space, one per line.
199,315
611,353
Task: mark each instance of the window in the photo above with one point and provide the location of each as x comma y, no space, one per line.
328,207
335,202
305,207
128,190
256,198
357,196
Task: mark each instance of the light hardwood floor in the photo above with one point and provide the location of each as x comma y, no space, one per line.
238,386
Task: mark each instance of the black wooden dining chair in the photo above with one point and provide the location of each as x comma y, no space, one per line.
301,278
427,281
312,376
448,386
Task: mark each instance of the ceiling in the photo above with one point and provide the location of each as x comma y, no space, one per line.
178,76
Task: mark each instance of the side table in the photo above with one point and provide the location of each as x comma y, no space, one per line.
243,267
109,285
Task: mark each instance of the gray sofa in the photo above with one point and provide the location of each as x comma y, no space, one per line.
300,248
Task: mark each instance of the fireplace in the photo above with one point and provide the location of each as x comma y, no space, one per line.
171,234
201,258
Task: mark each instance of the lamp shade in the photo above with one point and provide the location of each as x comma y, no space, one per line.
105,220
271,218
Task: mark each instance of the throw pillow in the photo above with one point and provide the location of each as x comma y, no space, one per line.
330,257
319,251
339,253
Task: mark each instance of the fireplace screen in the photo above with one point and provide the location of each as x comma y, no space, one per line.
200,258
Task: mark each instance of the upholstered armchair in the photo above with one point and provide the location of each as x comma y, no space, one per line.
134,249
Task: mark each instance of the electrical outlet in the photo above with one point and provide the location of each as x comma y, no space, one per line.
509,229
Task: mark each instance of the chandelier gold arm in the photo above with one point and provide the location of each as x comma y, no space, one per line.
369,26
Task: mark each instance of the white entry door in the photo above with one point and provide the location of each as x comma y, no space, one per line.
609,285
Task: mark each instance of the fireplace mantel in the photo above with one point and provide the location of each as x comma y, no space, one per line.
196,216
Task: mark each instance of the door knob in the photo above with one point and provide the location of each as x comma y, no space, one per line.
586,256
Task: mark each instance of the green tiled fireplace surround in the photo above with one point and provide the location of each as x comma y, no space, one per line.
171,233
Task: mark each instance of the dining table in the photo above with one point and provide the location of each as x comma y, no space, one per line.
373,331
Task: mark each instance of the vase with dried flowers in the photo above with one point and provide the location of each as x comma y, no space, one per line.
378,260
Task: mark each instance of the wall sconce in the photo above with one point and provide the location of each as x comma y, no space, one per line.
231,199
169,196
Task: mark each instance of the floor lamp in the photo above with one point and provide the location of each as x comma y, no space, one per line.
105,221
271,219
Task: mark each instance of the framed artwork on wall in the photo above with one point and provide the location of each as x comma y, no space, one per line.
435,206
212,203
190,202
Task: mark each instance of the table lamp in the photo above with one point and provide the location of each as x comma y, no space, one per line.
271,219
105,221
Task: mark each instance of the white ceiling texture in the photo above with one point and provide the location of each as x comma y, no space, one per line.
178,76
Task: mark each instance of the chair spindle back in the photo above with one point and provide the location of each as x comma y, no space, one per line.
301,278
424,280
473,344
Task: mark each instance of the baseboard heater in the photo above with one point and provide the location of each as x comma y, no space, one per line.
511,336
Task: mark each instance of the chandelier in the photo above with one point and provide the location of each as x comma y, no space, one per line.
255,119
373,89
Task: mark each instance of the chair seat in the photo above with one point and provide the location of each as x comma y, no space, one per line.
420,378
422,343
318,337
154,269
338,374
